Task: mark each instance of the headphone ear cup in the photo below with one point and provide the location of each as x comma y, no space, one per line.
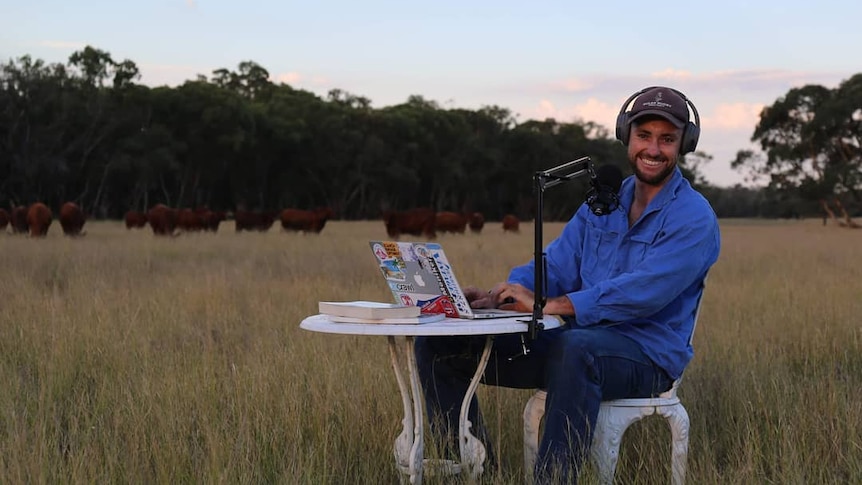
690,136
622,129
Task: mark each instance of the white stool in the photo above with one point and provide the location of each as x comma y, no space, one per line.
614,418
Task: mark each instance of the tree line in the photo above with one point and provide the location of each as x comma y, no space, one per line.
86,131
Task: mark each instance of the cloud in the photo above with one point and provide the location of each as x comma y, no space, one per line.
175,75
574,85
60,44
288,78
723,117
672,74
733,116
590,110
299,80
595,110
191,3
751,82
544,110
728,101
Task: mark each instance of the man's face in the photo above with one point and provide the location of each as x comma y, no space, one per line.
653,150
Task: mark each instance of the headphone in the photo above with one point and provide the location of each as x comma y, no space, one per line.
690,132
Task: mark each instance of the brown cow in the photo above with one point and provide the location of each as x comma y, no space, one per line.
189,220
245,220
135,219
254,220
511,223
199,219
18,219
416,222
39,219
211,220
476,222
450,222
162,219
305,221
4,219
72,219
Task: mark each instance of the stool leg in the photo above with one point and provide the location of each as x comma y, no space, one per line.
610,427
677,418
533,412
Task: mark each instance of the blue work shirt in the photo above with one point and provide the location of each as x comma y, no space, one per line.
642,281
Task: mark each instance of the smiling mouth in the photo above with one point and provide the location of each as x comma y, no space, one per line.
651,163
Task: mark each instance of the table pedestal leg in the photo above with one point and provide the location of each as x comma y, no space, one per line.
471,448
409,445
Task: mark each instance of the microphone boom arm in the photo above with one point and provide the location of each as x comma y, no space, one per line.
552,177
543,180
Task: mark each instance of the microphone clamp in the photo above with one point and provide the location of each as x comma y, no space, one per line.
603,201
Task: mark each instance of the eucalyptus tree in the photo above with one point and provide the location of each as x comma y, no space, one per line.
100,121
838,129
810,142
250,80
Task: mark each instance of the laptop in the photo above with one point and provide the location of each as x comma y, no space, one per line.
418,273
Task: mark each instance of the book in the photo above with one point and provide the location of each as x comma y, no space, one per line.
417,320
367,309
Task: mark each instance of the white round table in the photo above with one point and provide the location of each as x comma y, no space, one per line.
409,445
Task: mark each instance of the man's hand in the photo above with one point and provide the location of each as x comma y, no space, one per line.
516,297
513,296
479,298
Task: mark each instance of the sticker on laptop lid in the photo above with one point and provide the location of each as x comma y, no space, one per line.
438,304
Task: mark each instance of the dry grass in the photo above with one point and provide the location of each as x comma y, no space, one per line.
126,358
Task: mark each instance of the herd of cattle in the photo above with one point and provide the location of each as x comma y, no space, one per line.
166,221
427,222
36,219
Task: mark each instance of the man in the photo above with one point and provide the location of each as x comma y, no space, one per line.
628,284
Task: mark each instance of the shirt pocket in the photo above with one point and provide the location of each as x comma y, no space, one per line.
639,245
600,252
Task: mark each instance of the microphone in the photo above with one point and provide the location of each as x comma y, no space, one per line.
603,196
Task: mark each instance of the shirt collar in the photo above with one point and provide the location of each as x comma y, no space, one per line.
666,194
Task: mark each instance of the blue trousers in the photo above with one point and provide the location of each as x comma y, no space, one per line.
579,367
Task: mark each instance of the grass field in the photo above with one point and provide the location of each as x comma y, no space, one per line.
130,359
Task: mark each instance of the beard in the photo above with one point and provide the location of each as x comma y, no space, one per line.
654,180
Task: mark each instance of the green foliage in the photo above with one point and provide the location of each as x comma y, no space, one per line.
87,132
812,143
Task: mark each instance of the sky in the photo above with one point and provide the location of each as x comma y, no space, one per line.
573,61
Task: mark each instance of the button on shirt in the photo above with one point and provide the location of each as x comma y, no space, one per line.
645,281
